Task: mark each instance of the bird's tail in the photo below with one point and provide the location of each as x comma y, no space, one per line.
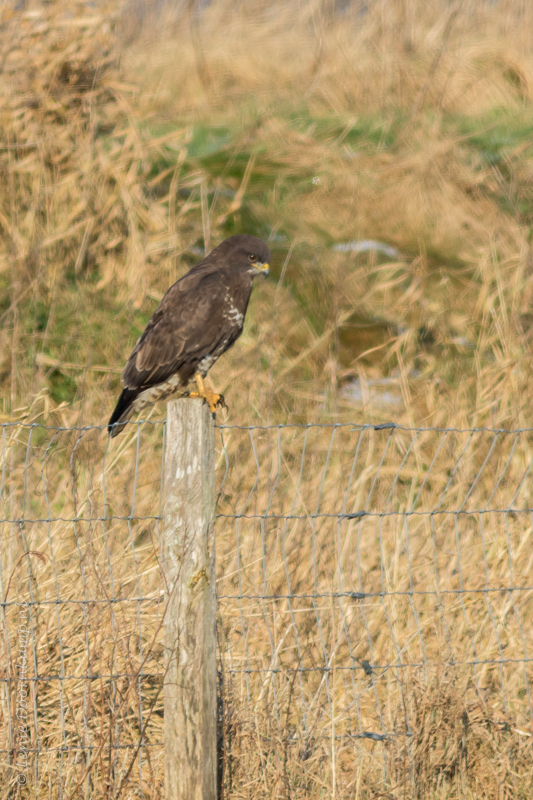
122,412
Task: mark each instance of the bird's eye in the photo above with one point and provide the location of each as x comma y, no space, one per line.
252,257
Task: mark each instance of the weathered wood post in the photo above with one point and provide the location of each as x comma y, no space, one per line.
190,731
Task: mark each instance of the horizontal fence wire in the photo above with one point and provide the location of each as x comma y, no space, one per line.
367,572
363,573
83,597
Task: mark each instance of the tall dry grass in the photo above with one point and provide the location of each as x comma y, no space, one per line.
359,652
126,151
414,125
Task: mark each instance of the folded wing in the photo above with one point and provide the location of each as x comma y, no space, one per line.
188,325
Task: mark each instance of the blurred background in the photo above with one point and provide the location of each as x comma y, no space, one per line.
383,148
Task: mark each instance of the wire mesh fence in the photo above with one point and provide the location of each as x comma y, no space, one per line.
81,573
374,614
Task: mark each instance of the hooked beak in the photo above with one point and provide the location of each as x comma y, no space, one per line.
263,269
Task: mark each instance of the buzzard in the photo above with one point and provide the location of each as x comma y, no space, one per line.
197,320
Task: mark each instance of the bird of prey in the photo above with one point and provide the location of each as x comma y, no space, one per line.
197,320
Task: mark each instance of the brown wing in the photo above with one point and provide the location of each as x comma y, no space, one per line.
188,324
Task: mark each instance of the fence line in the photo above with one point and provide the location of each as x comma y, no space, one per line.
363,573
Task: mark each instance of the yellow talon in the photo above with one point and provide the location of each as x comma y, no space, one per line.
211,398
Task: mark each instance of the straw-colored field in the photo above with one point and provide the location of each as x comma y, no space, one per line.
385,150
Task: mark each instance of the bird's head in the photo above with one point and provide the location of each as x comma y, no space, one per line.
247,253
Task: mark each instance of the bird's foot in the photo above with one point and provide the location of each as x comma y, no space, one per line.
211,398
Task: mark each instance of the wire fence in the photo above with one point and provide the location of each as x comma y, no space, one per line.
374,608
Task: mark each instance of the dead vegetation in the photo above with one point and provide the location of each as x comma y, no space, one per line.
125,153
455,751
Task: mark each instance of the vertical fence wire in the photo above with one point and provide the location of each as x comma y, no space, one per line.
364,573
81,569
373,571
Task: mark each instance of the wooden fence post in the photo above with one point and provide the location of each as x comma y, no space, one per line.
190,732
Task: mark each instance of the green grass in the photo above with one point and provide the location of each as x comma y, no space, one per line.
84,318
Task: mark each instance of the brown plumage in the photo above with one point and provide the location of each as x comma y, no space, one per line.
198,319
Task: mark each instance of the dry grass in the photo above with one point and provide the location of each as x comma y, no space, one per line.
124,154
314,590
